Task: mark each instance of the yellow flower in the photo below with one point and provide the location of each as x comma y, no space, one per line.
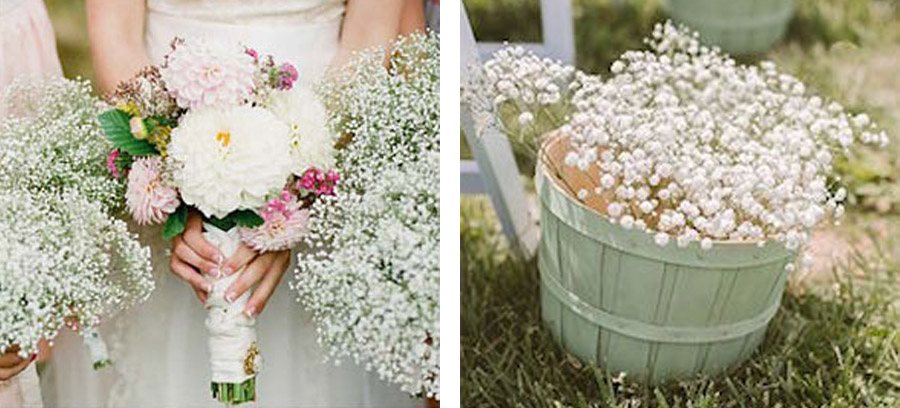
160,138
129,108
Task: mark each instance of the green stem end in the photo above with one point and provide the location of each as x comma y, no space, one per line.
235,393
102,364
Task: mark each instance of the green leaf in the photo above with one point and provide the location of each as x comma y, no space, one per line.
240,218
223,224
176,222
124,161
247,218
115,125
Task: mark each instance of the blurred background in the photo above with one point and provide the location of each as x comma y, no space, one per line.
69,22
836,340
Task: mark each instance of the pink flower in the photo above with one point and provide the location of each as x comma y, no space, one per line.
199,74
251,52
147,198
317,182
288,75
285,224
111,163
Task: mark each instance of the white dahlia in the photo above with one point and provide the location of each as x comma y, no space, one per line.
312,144
224,160
199,74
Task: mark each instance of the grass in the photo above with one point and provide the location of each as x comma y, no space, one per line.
831,346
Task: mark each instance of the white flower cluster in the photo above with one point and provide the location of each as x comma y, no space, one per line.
55,144
229,158
63,255
535,93
686,144
370,276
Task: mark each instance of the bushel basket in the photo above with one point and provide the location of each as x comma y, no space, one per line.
616,299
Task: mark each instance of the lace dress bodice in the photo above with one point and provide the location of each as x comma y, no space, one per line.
253,12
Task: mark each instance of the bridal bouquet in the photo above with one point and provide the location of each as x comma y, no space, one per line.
224,131
370,276
66,260
683,142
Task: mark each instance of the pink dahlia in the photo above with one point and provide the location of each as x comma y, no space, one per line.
199,74
285,224
147,198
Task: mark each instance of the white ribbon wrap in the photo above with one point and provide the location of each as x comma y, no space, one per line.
231,332
96,347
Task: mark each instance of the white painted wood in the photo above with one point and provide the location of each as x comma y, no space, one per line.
496,165
470,179
558,33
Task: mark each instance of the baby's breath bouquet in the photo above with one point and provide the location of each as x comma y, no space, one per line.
682,141
222,130
65,258
370,276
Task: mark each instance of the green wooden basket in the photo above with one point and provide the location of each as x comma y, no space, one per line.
614,298
737,26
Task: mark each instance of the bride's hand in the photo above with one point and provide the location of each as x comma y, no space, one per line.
193,255
11,364
265,269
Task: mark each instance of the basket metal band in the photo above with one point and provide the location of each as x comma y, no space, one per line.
656,333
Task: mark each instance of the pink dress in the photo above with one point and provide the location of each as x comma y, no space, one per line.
27,43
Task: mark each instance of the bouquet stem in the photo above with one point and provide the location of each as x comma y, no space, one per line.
231,393
96,347
234,356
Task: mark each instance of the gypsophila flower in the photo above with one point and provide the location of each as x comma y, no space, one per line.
370,276
692,144
64,256
58,146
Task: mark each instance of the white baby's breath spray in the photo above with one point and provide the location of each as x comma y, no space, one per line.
685,143
370,275
65,258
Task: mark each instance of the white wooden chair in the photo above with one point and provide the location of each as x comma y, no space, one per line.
494,169
558,31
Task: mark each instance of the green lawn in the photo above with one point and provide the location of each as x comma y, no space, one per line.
835,345
835,341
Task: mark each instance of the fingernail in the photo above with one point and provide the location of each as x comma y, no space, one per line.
208,288
216,273
227,270
230,297
250,312
219,258
33,357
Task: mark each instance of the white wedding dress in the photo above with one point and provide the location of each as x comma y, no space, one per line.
159,348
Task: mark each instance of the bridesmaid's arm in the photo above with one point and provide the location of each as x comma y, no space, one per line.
116,30
368,23
412,18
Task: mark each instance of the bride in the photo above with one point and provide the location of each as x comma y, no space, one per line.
159,349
